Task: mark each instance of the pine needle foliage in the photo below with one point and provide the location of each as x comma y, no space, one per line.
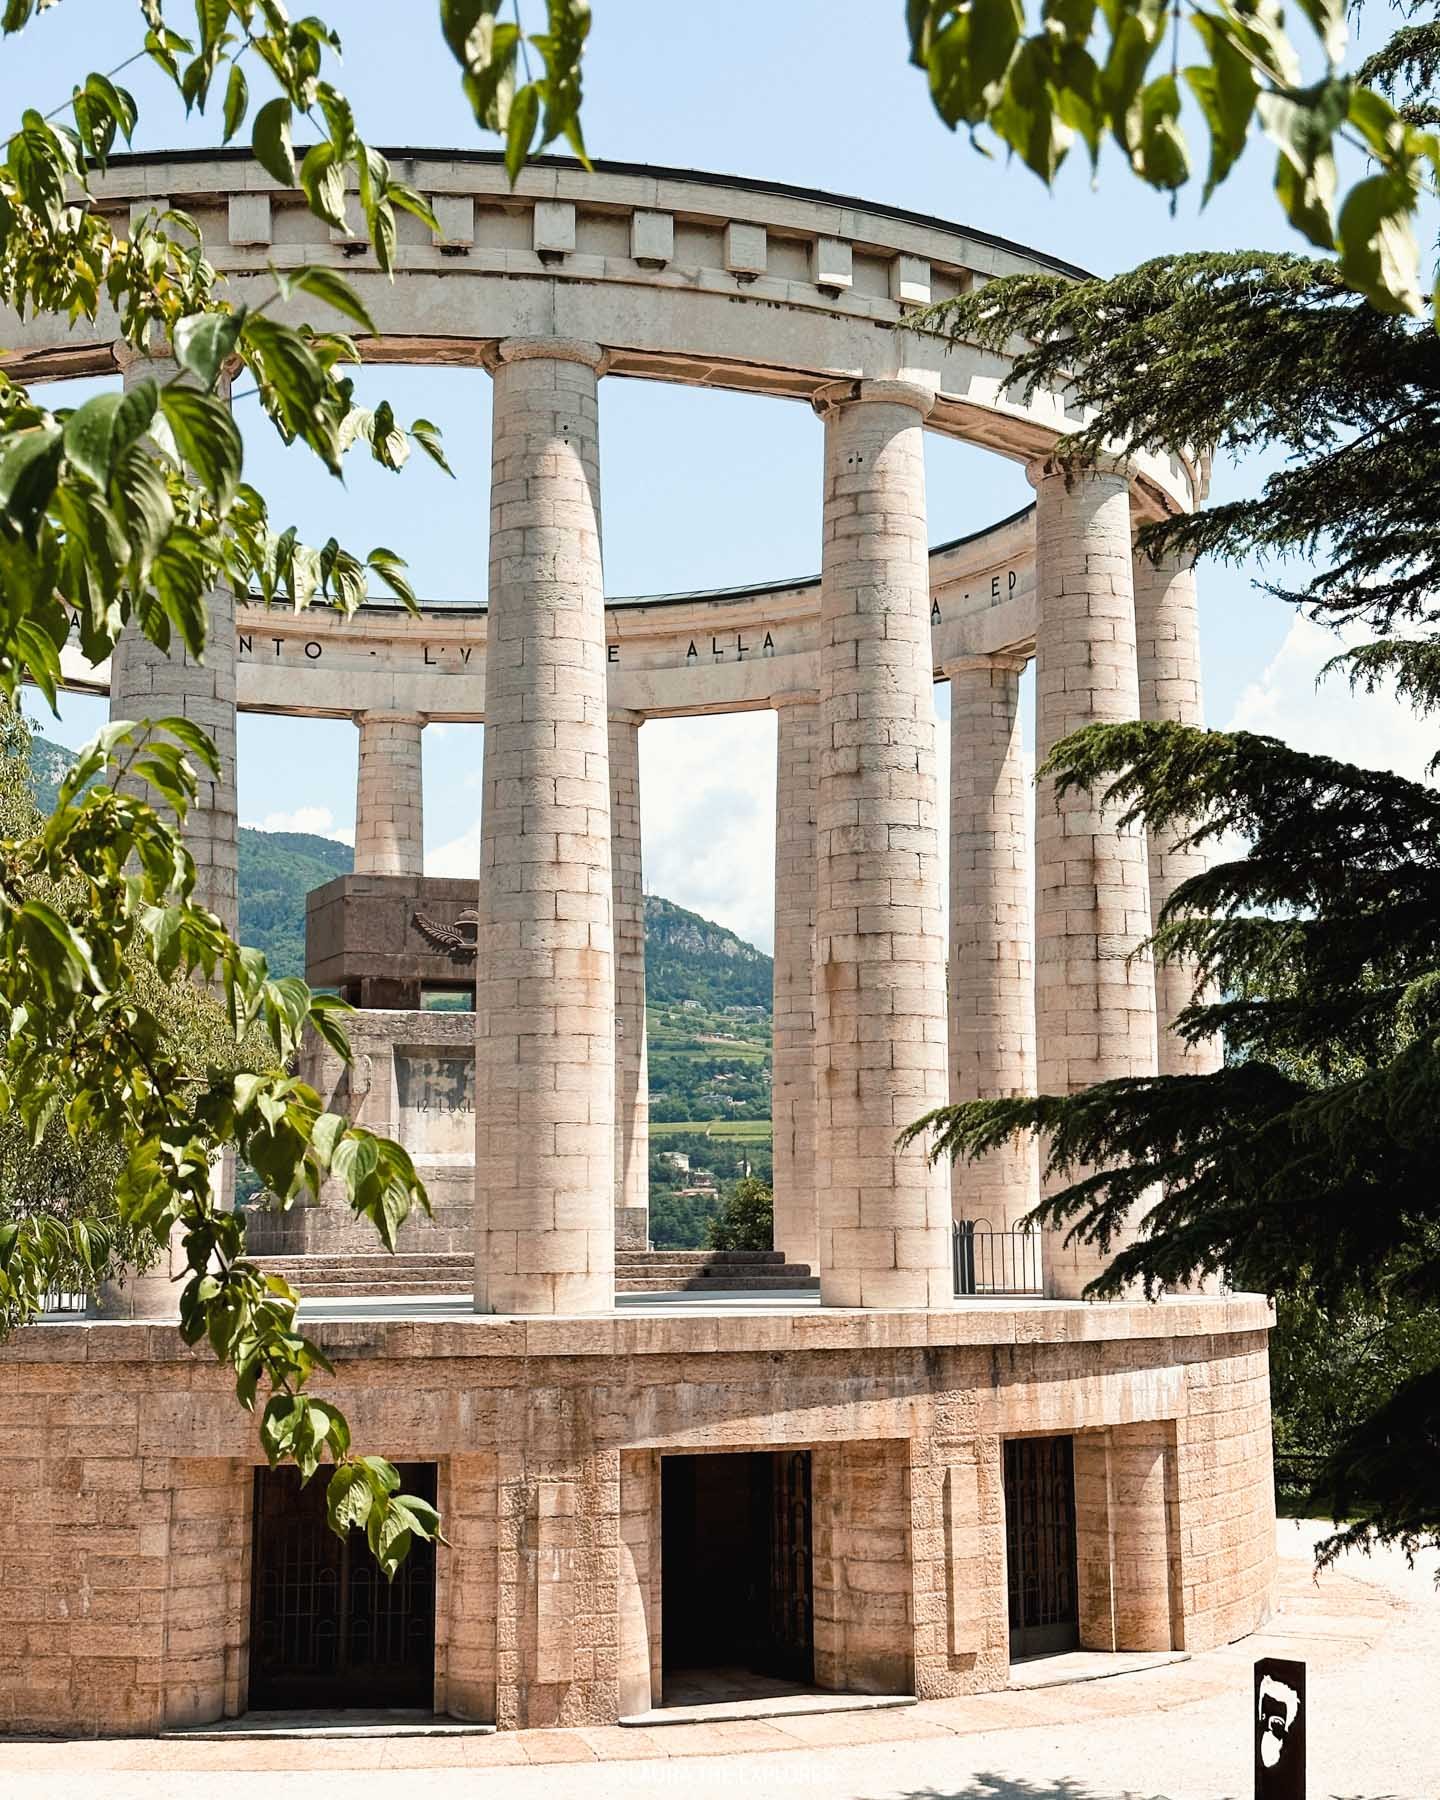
1308,1166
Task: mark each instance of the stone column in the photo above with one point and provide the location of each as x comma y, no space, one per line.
545,988
884,1215
1167,633
1094,996
632,1068
389,798
149,683
992,976
797,772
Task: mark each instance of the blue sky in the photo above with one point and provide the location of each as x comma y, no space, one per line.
701,488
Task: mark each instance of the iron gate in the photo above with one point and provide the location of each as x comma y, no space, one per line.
1040,1545
326,1628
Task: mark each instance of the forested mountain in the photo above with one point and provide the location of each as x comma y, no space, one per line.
688,958
277,870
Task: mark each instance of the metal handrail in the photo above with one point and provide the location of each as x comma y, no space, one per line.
995,1262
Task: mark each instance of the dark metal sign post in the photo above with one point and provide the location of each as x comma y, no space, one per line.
1279,1729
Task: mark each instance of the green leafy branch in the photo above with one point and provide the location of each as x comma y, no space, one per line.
101,889
1088,72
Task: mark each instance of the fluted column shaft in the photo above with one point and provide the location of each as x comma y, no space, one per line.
545,988
1167,630
632,1068
884,1215
1094,996
797,772
389,798
149,683
992,976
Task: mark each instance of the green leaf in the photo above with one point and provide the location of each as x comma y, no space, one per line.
270,140
29,466
208,439
195,740
1227,90
427,436
967,60
348,1499
322,179
1379,256
203,341
237,99
90,438
1303,124
1163,159
520,130
324,284
1328,18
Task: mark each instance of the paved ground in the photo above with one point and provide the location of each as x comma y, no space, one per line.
1370,1634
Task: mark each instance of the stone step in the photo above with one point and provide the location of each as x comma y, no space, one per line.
666,1257
725,1284
324,1276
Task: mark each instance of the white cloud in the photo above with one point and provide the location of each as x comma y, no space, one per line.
460,857
319,821
1376,730
707,801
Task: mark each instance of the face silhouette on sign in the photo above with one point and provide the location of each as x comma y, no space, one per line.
1279,1730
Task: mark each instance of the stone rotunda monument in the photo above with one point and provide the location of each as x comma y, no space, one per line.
951,1460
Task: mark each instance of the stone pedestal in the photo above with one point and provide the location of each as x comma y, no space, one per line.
884,1215
1167,631
389,796
545,987
793,1010
1094,995
632,1069
992,977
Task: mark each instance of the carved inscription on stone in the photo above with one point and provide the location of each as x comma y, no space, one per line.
436,1095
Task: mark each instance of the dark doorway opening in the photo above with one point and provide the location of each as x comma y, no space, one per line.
327,1630
735,1567
1040,1546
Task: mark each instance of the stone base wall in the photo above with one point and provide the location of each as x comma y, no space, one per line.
126,1480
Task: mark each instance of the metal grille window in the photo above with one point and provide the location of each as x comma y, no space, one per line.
326,1628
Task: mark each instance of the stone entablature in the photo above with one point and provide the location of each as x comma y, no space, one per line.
668,655
681,276
127,1469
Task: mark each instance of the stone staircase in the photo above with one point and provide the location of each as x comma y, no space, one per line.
320,1277
709,1272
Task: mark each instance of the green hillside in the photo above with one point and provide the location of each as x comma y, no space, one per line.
277,870
688,958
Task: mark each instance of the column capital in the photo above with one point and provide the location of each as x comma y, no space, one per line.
1008,662
795,697
543,349
384,715
626,715
1101,468
836,394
